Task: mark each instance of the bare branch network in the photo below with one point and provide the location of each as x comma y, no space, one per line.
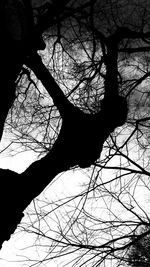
75,90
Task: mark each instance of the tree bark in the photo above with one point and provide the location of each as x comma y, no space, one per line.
79,142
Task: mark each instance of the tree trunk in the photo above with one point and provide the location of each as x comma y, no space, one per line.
80,140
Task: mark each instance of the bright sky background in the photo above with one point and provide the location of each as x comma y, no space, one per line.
11,248
9,254
67,183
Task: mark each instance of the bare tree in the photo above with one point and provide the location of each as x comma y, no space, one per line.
95,62
138,253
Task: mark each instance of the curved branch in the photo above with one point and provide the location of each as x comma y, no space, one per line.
80,142
42,73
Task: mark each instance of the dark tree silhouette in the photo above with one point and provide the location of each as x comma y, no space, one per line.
138,254
18,40
82,135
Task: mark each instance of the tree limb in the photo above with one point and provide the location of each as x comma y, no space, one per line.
42,73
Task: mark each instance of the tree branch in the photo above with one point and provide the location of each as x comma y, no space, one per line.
79,142
131,50
42,73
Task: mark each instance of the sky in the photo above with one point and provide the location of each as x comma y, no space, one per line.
9,255
12,250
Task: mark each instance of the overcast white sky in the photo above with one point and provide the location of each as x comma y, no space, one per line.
10,254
